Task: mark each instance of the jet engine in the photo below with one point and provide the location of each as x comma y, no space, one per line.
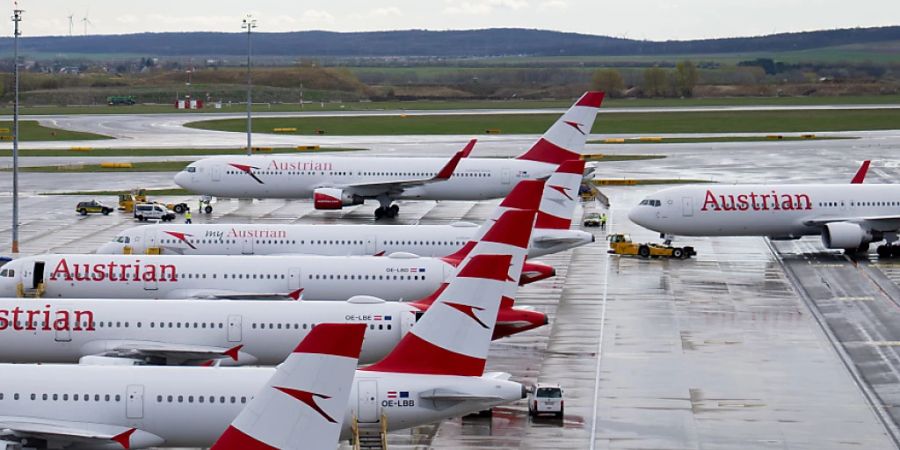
334,198
844,235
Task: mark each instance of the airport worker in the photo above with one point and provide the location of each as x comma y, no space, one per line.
187,216
603,221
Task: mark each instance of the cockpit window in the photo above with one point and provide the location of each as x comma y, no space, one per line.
7,273
190,169
649,202
122,239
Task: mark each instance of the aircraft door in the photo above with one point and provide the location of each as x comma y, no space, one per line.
216,174
367,390
295,280
687,207
149,239
505,176
234,328
64,335
247,246
134,401
37,277
370,245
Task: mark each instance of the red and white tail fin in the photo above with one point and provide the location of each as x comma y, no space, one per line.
566,138
303,405
861,173
526,194
510,320
454,334
560,196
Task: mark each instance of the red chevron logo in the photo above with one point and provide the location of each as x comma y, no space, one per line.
467,310
309,399
562,190
574,125
181,237
248,170
124,438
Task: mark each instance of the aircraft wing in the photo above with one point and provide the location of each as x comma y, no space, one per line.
222,294
880,223
558,239
63,433
178,353
395,187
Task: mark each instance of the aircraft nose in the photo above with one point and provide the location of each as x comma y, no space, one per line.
109,248
181,179
636,216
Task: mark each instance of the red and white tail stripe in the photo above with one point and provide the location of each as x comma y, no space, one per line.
560,196
566,138
526,195
454,334
303,405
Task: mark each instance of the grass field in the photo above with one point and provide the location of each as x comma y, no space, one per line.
154,166
150,192
426,105
126,152
720,139
655,122
30,130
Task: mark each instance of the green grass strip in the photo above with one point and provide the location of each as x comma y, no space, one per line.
610,123
31,130
129,152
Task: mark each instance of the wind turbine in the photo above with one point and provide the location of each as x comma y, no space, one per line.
71,23
86,22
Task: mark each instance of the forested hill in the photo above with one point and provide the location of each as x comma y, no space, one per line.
468,43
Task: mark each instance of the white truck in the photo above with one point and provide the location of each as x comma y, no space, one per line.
546,398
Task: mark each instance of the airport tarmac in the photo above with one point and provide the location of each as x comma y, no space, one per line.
723,351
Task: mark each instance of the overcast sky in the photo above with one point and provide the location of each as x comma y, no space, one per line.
636,19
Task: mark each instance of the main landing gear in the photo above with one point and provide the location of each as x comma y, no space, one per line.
388,212
888,251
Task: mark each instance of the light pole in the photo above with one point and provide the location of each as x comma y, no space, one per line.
17,17
249,24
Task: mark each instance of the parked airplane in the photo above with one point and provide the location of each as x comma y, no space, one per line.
335,181
303,405
111,410
399,276
552,233
194,332
848,216
435,372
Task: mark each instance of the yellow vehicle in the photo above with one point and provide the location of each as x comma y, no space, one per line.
621,244
137,196
127,201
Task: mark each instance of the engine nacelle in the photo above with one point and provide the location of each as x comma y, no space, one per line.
846,236
334,198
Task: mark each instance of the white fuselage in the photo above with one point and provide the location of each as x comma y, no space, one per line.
777,211
291,176
397,277
331,240
192,406
64,330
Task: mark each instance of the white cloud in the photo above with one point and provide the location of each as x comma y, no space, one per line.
483,7
127,19
317,16
553,5
388,11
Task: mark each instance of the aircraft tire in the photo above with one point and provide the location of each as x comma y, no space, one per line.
394,210
379,213
208,209
884,251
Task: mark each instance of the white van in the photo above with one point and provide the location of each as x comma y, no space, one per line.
546,398
153,211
